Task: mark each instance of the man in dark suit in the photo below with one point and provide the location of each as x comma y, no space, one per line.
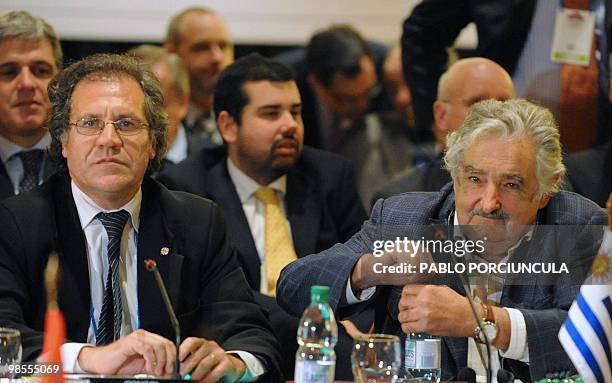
506,166
517,35
30,55
104,218
487,80
259,116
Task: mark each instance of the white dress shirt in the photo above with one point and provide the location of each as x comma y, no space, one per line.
254,210
97,259
518,348
13,164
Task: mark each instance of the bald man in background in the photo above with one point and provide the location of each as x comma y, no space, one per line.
201,39
466,82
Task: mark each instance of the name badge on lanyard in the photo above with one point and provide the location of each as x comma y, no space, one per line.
573,37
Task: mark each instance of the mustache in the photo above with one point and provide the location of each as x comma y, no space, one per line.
495,215
286,141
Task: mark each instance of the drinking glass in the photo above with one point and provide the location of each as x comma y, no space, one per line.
376,358
10,350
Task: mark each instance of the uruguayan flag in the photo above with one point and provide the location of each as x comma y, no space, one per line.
586,334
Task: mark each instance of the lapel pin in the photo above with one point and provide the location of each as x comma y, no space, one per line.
165,251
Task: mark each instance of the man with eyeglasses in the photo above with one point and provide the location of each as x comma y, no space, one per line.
30,55
466,82
339,87
104,217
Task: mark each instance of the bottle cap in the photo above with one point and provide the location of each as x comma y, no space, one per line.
319,294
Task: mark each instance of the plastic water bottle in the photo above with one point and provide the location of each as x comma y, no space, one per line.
315,360
422,357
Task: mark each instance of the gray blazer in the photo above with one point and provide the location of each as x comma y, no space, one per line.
544,305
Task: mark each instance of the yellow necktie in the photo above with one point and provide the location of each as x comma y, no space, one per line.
278,249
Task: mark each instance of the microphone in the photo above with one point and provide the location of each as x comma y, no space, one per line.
151,266
466,374
504,376
440,234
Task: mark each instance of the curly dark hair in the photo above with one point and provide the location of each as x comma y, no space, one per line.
105,67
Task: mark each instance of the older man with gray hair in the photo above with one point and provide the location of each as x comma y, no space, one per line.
506,166
30,55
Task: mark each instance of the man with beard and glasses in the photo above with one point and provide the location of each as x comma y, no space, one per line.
506,166
30,55
281,200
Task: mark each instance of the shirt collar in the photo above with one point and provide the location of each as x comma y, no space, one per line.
246,186
88,209
178,151
9,148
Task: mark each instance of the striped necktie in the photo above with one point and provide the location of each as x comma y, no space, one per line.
109,328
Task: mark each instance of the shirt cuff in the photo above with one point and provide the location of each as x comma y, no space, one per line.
70,354
363,296
254,367
518,348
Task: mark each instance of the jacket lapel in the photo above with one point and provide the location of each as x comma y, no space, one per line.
223,192
6,186
74,293
303,212
155,241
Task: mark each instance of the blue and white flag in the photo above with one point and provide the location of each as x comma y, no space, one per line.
586,334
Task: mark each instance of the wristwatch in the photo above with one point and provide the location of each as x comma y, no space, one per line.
489,326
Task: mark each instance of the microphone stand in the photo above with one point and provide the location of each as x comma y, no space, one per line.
151,266
466,286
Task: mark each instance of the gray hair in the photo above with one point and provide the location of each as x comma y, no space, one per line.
150,55
513,119
22,25
106,67
173,34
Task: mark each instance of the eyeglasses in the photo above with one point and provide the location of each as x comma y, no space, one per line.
92,126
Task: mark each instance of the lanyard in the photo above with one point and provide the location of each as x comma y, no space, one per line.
92,317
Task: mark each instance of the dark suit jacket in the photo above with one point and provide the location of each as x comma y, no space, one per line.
590,173
427,177
6,186
205,283
544,304
502,27
323,207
